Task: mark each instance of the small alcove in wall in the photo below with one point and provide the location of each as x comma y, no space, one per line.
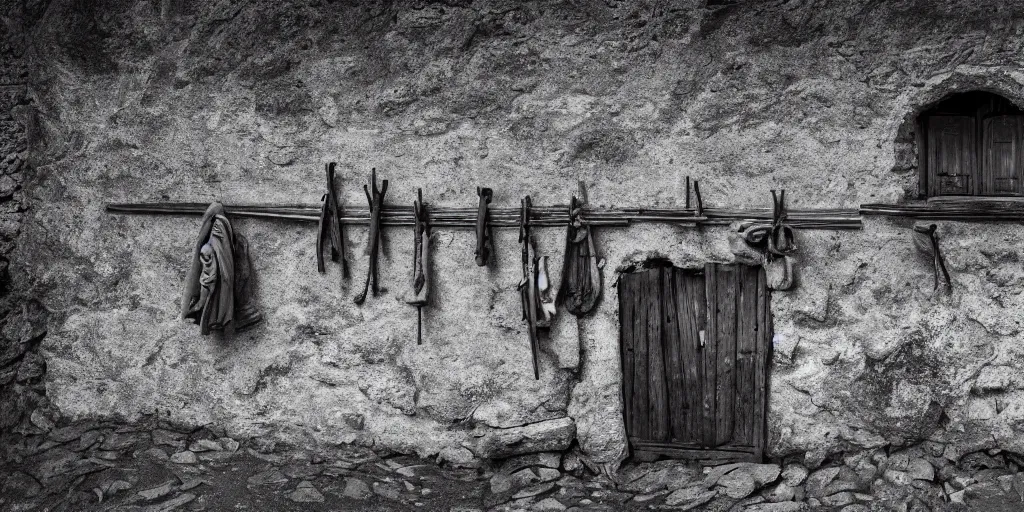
695,348
971,144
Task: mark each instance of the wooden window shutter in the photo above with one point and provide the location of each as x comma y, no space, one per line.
1001,166
952,157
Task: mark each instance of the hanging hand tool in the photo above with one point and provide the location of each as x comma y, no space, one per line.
376,201
484,244
776,238
781,242
937,260
700,200
330,227
528,286
580,288
420,263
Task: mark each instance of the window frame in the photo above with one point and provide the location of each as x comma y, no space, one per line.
980,106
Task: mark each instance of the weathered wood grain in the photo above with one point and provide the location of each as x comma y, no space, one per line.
641,386
627,303
725,325
746,349
699,309
658,394
710,355
689,354
674,375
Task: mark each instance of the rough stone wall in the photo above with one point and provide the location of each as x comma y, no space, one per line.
24,407
244,102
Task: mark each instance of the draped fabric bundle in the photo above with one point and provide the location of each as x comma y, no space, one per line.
218,286
581,272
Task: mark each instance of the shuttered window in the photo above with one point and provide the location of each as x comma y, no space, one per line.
972,146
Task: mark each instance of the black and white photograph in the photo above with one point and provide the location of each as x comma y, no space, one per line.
512,255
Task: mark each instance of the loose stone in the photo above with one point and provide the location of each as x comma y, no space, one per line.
172,503
205,445
388,491
897,477
781,492
357,489
794,474
185,457
548,474
920,469
270,477
838,499
305,492
785,506
737,484
500,483
159,491
169,438
817,481
688,494
533,490
548,504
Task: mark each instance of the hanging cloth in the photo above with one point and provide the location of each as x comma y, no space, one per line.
212,294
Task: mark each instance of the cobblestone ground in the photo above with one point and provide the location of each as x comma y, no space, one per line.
100,466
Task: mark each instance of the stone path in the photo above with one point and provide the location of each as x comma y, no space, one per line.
97,466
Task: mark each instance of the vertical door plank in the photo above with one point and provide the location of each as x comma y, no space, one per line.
764,340
746,347
697,285
710,354
659,418
627,303
672,330
688,305
725,324
641,403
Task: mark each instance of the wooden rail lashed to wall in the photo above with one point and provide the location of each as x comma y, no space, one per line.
963,209
540,216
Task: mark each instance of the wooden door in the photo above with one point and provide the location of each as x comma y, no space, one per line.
694,361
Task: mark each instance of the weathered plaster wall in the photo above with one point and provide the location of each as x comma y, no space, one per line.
245,101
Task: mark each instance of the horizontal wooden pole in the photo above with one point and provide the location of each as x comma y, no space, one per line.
954,209
540,216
